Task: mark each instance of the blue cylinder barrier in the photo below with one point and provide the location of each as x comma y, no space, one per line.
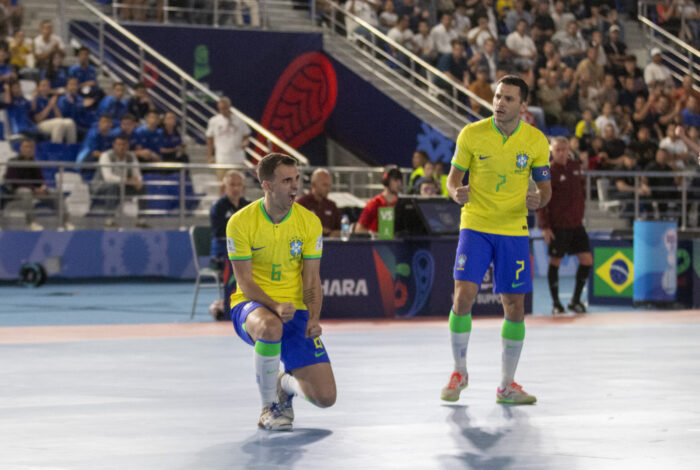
655,252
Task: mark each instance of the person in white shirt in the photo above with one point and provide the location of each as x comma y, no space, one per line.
227,137
401,33
364,10
478,35
46,43
388,18
461,22
674,144
516,14
423,44
522,45
656,72
607,118
561,17
571,45
443,34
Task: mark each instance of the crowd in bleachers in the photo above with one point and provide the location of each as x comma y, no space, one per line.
585,82
66,116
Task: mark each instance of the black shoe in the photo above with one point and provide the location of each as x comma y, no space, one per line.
557,309
576,307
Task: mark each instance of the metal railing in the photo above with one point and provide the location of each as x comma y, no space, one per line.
680,55
204,12
417,79
126,58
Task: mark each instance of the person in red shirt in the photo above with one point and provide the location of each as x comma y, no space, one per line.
562,224
369,220
317,202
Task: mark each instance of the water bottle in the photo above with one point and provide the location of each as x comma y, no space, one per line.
345,228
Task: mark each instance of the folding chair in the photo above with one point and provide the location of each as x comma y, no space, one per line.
200,239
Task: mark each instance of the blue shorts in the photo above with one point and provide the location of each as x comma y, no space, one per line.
512,272
297,349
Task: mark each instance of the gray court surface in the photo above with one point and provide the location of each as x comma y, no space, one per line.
613,395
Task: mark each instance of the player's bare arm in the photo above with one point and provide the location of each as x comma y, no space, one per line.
243,270
313,295
457,191
540,198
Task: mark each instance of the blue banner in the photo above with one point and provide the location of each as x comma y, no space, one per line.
655,247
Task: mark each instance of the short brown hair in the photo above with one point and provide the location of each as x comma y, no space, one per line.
267,166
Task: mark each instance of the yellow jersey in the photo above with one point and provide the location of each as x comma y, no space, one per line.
499,175
277,250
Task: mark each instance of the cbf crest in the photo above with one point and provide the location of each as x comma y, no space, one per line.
461,261
295,245
521,160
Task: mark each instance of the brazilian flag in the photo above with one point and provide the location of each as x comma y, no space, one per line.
614,272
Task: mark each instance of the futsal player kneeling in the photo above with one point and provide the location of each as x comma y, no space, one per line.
500,153
275,247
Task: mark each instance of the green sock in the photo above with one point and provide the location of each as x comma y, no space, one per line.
460,328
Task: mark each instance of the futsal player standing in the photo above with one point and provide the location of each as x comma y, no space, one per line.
500,153
275,247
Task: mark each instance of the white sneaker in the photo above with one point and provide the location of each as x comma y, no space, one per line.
285,399
272,419
515,395
458,382
35,227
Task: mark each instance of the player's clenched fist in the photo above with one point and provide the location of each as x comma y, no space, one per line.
461,195
285,311
532,201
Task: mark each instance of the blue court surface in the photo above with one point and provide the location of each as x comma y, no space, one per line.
114,376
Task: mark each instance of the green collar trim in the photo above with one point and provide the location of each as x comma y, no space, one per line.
262,208
493,123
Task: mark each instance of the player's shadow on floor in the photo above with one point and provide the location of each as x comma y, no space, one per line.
481,440
269,449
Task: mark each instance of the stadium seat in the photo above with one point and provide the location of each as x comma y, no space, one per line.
200,239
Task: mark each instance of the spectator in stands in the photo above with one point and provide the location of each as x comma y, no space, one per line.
388,17
428,175
624,186
56,73
478,35
19,112
227,137
455,66
590,65
423,43
140,104
570,44
429,188
369,218
116,104
552,98
443,34
606,117
46,43
11,17
675,146
663,111
612,144
48,117
685,91
627,95
543,27
615,50
403,35
643,114
489,59
99,139
127,127
253,12
631,70
419,158
460,21
26,184
75,107
229,203
691,14
516,14
481,87
690,114
597,41
643,147
669,16
317,202
561,16
562,224
173,148
7,72
608,92
586,128
86,74
521,45
107,181
664,189
364,10
149,139
656,72
22,56
485,8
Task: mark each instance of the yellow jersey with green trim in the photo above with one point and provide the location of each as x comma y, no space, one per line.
277,250
499,175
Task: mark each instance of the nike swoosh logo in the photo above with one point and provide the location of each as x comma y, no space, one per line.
319,354
514,285
483,158
268,372
256,249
